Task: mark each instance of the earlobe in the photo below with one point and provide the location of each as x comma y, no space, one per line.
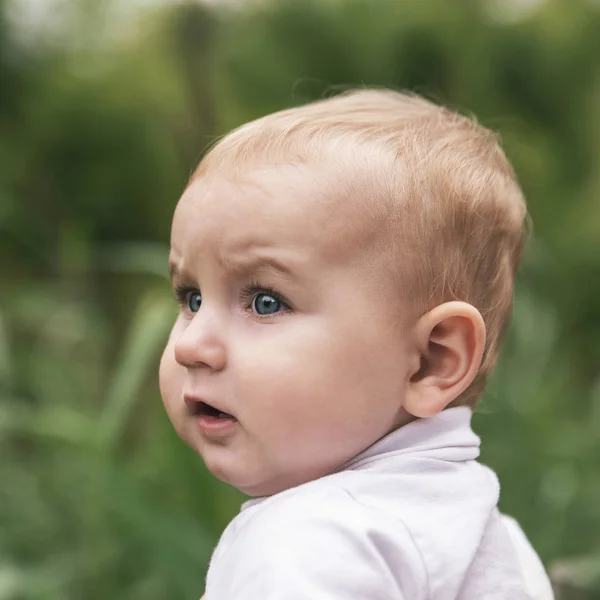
450,342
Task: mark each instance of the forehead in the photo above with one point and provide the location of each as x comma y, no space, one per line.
295,207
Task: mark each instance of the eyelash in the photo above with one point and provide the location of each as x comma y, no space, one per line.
248,293
181,293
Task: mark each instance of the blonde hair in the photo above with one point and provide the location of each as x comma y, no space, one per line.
455,216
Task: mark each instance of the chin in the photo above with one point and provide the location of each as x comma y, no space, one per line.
231,469
254,490
220,467
253,487
261,489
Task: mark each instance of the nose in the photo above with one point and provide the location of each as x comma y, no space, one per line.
201,344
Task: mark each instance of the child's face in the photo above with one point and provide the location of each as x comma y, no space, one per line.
284,326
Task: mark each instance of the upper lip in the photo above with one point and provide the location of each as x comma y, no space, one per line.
192,401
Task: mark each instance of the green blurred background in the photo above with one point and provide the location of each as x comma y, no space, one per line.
105,109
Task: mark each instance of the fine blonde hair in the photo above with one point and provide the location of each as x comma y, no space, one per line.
455,217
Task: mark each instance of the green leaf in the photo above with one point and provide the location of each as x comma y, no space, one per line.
146,338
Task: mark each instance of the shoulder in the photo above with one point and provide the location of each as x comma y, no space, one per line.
323,509
311,504
320,536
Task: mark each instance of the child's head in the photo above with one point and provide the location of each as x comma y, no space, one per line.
349,257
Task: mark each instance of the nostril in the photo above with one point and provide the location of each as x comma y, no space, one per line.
192,352
181,355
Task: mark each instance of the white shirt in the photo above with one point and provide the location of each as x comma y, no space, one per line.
412,517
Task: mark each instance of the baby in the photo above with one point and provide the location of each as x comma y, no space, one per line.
345,274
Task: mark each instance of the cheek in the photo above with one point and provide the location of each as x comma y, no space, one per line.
346,378
273,362
302,370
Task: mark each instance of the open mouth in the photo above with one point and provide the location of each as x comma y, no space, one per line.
202,409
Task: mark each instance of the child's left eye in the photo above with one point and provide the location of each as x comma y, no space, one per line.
266,304
263,301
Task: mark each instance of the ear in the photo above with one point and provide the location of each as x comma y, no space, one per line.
450,340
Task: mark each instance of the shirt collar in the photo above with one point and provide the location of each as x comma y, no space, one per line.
446,436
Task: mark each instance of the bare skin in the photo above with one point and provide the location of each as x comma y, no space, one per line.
332,367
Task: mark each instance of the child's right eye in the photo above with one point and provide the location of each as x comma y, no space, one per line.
194,301
189,298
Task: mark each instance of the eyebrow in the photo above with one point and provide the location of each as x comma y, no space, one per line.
254,262
174,271
243,265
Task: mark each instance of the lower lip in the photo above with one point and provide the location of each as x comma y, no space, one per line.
215,425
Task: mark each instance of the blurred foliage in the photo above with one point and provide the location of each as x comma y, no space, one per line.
102,119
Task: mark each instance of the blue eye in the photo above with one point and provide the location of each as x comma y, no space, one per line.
265,304
194,301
